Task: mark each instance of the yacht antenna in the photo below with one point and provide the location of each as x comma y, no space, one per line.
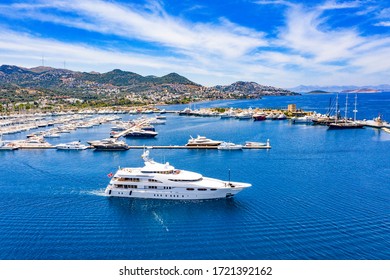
229,175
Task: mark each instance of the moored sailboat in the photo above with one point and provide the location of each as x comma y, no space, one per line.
346,124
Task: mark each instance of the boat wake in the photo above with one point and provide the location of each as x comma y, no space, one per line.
95,192
160,220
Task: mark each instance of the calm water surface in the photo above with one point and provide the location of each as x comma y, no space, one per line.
317,194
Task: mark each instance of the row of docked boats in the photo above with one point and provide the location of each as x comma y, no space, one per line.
240,115
108,144
337,122
65,123
202,141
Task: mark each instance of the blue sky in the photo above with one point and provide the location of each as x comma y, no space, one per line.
272,42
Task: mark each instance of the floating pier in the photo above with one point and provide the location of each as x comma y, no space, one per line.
154,147
194,147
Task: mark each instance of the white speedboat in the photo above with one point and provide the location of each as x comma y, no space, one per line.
202,141
251,144
51,135
303,119
163,181
33,143
229,146
75,145
7,145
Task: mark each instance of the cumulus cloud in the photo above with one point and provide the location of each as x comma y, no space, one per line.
151,24
307,47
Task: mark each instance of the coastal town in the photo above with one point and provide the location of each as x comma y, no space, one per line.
46,89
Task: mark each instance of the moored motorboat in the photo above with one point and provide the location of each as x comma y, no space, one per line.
163,181
259,116
302,119
109,144
229,146
141,133
75,145
7,145
252,144
33,143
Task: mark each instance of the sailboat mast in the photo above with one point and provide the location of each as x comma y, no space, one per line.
337,108
355,110
346,107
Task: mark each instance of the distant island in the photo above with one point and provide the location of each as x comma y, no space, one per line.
362,90
50,88
351,88
318,91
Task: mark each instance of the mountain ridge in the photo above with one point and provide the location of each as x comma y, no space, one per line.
117,87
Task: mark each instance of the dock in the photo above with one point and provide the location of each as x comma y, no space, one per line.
195,147
154,147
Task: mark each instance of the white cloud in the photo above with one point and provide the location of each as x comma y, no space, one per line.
77,54
151,25
383,23
306,50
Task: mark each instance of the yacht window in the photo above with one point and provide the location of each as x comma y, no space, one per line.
185,180
213,189
202,189
154,180
129,179
190,189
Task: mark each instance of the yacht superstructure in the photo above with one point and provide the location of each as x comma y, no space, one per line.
163,181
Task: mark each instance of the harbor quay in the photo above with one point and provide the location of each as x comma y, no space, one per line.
57,123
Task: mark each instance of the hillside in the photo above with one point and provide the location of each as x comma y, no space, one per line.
60,86
252,88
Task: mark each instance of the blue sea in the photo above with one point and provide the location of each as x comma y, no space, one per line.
317,194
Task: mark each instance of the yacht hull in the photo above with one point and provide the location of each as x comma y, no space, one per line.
174,194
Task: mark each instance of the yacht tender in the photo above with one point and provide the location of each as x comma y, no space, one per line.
163,181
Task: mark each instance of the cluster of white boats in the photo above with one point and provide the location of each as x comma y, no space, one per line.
63,123
202,141
242,114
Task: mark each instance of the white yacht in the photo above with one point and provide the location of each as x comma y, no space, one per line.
302,119
109,144
163,181
251,144
7,145
75,145
33,143
202,141
229,146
